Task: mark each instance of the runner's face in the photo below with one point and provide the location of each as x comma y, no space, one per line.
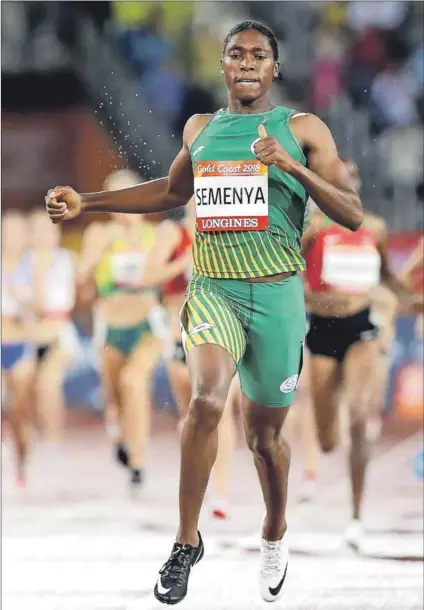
248,66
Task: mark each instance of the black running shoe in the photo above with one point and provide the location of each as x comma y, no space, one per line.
137,477
171,586
121,454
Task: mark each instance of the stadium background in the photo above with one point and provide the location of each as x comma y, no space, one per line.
88,87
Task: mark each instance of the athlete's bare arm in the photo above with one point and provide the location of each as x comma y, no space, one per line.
326,178
96,240
414,262
155,196
160,268
315,226
388,277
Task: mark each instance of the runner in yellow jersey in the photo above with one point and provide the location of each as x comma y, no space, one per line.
251,167
128,249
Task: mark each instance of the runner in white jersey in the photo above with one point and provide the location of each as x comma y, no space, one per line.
17,352
343,340
53,269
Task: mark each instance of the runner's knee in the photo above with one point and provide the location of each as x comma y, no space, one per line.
206,408
357,429
263,443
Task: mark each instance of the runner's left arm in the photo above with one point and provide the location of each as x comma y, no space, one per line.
326,179
410,301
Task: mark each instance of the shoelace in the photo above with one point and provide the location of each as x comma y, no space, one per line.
177,565
271,557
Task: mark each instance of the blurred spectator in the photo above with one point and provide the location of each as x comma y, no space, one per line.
406,168
207,51
335,14
160,42
100,12
197,100
393,94
368,55
386,15
417,65
326,79
163,88
144,44
128,15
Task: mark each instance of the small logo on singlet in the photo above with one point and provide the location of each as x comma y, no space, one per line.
200,328
198,149
289,384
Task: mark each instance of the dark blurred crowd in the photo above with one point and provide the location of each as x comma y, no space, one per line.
158,39
374,51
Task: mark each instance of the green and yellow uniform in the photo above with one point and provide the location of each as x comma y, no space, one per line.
250,220
119,272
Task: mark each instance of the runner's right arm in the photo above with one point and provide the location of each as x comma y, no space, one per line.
414,262
155,196
95,242
160,268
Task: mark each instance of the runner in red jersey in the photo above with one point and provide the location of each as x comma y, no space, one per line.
343,269
179,240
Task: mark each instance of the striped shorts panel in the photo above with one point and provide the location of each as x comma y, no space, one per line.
207,316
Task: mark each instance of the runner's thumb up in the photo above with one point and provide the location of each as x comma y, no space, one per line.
262,131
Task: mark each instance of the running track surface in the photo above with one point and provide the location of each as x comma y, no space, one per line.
75,540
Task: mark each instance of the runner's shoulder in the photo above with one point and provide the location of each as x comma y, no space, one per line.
305,121
311,131
193,127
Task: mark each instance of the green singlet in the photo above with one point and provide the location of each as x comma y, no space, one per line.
234,190
250,220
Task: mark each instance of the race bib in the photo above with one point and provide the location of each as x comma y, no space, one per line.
351,269
231,195
59,297
127,268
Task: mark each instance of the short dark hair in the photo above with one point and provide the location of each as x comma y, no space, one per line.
259,27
